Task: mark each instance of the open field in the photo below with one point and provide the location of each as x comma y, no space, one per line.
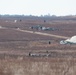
38,66
27,51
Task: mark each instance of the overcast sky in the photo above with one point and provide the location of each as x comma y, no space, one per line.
38,7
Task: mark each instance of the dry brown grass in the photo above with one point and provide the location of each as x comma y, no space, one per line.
15,43
38,66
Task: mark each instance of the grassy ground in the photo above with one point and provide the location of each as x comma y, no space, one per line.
38,66
13,43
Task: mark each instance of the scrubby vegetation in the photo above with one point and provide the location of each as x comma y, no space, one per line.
38,66
15,46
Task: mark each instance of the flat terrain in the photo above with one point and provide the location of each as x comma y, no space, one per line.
20,38
34,51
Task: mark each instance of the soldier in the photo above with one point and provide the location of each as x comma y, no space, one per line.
49,42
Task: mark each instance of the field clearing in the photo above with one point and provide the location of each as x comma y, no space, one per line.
28,51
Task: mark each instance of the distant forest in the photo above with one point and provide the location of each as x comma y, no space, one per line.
52,17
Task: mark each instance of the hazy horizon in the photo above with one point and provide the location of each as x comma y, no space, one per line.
38,7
